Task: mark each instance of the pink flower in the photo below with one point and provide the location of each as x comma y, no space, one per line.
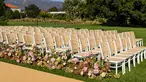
17,60
30,54
46,56
85,69
95,66
53,67
95,71
76,60
8,49
5,53
85,63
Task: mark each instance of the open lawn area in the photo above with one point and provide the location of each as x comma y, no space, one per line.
137,73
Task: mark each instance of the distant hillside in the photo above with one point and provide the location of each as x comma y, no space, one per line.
42,4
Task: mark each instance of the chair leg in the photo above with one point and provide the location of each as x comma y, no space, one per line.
142,42
99,57
138,59
134,61
141,55
129,65
144,54
116,68
123,68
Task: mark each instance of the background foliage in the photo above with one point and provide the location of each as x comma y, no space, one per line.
120,12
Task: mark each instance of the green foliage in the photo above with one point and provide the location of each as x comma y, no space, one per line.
32,11
124,12
43,14
2,8
2,12
9,14
3,21
53,9
16,15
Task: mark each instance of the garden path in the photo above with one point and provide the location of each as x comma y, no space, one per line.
13,73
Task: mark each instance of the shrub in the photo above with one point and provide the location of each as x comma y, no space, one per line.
3,21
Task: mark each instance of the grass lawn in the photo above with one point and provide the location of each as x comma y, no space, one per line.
137,74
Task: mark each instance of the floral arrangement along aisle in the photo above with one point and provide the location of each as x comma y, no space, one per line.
88,67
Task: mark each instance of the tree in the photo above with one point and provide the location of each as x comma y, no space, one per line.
16,15
32,11
2,12
9,14
53,9
43,14
2,8
74,8
121,12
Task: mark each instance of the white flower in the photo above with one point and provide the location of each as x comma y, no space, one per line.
75,67
53,59
29,58
82,73
64,63
89,73
9,54
33,59
48,61
50,55
24,58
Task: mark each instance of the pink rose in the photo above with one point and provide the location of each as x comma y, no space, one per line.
17,60
30,54
85,63
8,49
85,69
76,60
46,56
95,71
53,67
95,66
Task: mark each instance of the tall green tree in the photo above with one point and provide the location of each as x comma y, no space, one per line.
32,11
2,12
16,15
74,8
9,14
2,8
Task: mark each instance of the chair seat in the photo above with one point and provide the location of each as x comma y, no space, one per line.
62,49
83,54
95,51
136,50
112,60
125,54
139,39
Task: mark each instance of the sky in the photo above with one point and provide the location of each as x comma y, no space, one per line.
57,0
